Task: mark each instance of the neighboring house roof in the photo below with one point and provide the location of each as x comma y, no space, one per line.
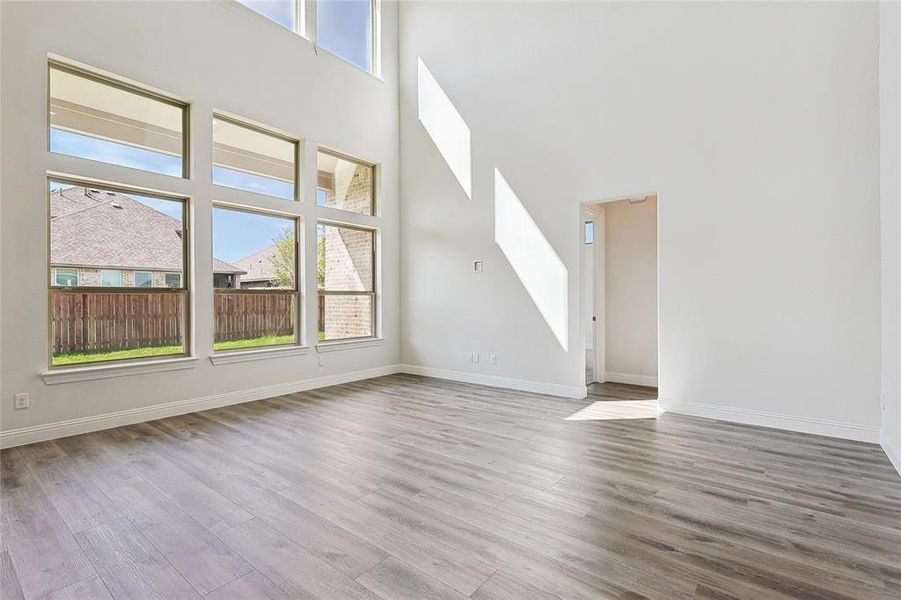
258,266
97,228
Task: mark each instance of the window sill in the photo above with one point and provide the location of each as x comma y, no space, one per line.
239,356
348,345
87,373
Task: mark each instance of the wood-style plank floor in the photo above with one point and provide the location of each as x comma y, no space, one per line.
409,487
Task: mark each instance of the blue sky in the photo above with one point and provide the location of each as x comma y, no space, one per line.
237,234
75,144
344,27
280,11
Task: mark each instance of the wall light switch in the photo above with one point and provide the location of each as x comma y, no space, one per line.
22,400
477,266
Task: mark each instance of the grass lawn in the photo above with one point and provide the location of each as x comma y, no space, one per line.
266,340
71,358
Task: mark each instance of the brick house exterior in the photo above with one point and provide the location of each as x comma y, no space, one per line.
350,254
90,276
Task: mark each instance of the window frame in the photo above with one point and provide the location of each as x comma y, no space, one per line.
373,293
306,25
374,205
103,78
185,290
298,221
265,130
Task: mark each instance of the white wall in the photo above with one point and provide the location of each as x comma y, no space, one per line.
758,125
631,291
216,54
890,119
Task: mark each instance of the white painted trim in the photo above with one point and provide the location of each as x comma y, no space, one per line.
348,345
229,357
893,452
630,378
51,431
849,431
87,373
599,294
524,385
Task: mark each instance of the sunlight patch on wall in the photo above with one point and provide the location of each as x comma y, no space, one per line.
616,410
446,127
532,257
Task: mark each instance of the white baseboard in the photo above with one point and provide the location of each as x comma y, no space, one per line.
51,431
524,385
848,431
892,451
646,380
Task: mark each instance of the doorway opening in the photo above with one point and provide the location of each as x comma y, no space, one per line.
620,300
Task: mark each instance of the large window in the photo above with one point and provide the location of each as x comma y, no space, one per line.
256,279
103,243
99,119
347,28
344,183
346,281
255,160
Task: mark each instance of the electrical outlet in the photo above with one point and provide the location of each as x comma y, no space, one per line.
469,357
22,400
492,359
321,361
475,357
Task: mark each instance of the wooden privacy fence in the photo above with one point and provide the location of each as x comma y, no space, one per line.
248,315
115,321
105,321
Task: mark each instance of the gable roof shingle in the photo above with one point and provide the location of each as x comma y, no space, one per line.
258,266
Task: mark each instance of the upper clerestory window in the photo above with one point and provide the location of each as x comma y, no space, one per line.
104,120
348,28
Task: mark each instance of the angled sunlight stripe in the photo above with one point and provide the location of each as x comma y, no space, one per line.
532,257
446,127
